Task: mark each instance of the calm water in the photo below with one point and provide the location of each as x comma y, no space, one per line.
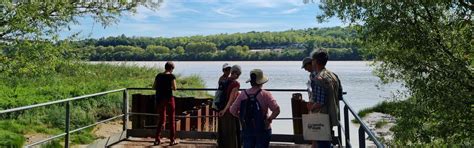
356,77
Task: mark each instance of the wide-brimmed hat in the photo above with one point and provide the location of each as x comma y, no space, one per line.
260,77
226,65
306,60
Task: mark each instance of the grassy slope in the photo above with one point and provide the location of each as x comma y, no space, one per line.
69,82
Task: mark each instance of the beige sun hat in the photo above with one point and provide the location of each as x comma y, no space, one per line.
261,78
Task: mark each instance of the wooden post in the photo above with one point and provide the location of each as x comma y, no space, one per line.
206,120
188,122
214,120
296,110
178,125
199,120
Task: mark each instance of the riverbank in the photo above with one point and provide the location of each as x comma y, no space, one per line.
380,124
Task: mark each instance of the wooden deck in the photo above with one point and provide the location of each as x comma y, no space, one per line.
188,143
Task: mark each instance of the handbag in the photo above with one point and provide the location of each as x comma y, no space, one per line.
316,127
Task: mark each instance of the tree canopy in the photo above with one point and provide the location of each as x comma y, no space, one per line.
282,45
29,30
429,47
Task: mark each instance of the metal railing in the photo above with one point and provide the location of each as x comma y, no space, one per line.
362,129
125,116
67,104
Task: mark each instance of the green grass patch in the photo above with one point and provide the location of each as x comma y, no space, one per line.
71,81
386,107
380,124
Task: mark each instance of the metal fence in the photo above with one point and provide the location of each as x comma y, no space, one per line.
363,129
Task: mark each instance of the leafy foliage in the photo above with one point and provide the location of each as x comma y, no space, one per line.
429,47
285,45
33,20
29,31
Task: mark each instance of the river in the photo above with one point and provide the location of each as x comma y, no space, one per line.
356,78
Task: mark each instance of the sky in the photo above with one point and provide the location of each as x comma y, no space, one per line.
176,18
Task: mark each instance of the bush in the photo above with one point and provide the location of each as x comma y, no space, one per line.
11,139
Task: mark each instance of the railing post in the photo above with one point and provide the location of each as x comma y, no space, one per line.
346,125
296,100
361,137
125,110
68,121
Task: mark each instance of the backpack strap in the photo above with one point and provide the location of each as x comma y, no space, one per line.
248,96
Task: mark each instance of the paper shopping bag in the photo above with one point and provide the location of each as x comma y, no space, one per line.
316,127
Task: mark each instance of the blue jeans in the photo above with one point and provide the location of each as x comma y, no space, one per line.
259,140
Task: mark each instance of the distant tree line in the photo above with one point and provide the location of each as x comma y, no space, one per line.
285,45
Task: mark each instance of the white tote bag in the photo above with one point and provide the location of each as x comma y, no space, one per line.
316,127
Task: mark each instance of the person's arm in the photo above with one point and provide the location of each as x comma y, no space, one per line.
173,85
232,97
235,108
273,106
155,84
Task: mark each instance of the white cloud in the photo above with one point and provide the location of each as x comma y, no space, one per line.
271,3
291,11
225,11
166,9
234,7
235,25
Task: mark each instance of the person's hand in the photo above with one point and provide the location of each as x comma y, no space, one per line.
268,122
222,112
314,106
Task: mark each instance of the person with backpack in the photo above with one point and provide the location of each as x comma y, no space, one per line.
164,85
228,126
222,85
252,108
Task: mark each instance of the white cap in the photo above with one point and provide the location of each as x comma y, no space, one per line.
226,65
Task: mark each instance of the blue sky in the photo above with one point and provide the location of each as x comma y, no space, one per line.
203,17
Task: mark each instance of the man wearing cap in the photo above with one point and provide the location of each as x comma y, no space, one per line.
306,65
266,102
222,84
228,125
327,92
225,72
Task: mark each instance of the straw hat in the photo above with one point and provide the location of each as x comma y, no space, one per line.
260,77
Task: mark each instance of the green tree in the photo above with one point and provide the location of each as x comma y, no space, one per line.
179,50
201,47
157,49
36,23
429,47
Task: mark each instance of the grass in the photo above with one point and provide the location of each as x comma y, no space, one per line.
386,107
72,81
380,124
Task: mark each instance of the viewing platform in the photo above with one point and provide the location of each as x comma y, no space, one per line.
196,122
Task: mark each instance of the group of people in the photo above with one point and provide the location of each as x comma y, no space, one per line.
244,117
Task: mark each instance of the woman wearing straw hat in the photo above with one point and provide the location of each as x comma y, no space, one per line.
253,136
